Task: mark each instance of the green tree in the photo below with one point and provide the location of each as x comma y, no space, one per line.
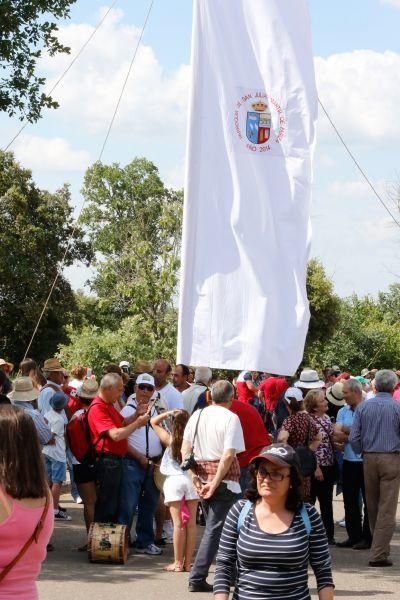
27,30
34,229
325,312
134,225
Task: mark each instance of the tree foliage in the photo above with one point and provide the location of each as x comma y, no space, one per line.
27,29
324,309
134,224
34,229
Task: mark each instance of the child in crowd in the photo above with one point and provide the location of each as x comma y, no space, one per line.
55,452
178,488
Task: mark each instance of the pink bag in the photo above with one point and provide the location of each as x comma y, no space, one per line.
185,514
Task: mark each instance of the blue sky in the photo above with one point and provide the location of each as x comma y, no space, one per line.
357,58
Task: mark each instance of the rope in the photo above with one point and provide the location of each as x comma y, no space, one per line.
99,24
355,161
71,237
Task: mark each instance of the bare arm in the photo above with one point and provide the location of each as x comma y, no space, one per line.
283,436
327,593
121,433
164,436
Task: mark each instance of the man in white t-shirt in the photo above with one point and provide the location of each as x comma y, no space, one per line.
171,397
215,436
137,486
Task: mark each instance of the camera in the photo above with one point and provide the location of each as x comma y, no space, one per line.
189,462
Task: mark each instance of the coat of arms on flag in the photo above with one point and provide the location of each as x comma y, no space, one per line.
258,123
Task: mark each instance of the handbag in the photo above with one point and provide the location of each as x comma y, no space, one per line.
306,456
34,538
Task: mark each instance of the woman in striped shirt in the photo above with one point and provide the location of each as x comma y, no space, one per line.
273,538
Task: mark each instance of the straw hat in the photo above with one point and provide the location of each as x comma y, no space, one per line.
335,394
88,389
8,364
23,390
52,364
309,380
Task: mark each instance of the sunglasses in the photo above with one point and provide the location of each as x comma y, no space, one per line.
144,387
262,473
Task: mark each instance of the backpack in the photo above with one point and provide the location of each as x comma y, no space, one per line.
79,438
247,506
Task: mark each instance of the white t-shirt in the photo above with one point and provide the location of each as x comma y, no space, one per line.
56,423
137,439
191,395
172,397
219,430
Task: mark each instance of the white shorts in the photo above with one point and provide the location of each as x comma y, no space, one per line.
177,487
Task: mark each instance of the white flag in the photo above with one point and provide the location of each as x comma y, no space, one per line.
246,232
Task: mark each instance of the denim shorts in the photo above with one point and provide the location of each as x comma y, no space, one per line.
56,470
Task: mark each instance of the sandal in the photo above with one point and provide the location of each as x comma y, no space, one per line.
174,568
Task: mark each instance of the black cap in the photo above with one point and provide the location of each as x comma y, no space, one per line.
279,454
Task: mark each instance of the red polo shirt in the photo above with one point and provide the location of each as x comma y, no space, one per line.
254,433
102,417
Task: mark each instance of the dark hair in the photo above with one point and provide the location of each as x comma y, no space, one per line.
3,378
296,406
112,368
26,366
185,369
295,493
21,464
177,429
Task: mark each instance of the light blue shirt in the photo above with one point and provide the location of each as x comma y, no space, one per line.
345,417
44,400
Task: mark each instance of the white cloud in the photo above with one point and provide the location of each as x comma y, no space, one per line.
52,154
395,3
154,104
360,90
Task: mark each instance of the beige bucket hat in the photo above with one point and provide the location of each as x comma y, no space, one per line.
23,390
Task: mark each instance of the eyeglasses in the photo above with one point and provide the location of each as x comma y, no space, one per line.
144,387
273,475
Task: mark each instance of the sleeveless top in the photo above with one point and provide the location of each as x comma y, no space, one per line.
169,466
15,530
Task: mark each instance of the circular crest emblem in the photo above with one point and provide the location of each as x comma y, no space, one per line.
259,122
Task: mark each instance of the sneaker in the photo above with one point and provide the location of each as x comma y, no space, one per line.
341,523
62,509
61,516
78,500
169,539
151,549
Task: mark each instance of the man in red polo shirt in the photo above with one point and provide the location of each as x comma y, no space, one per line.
254,433
109,432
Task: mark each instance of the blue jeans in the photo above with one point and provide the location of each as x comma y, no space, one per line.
138,490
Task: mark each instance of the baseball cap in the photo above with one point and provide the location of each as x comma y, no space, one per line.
282,455
146,379
58,401
293,393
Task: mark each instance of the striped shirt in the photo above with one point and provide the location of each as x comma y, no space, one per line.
271,566
376,425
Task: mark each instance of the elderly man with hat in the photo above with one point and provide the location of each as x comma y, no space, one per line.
54,373
24,395
144,451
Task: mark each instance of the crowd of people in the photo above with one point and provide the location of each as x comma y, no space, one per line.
159,449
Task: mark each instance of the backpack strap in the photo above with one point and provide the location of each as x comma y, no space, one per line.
305,518
243,514
53,386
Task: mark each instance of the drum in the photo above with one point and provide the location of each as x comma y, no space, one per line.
108,543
